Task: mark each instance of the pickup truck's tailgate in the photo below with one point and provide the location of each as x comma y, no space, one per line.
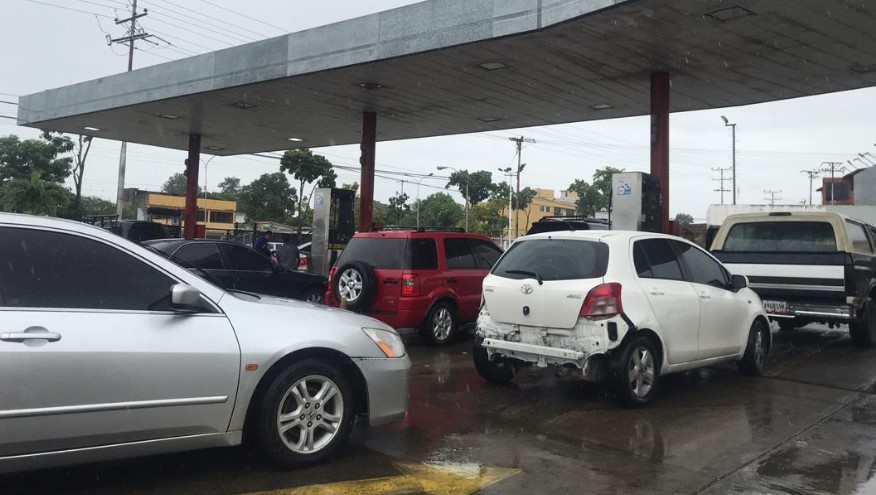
809,276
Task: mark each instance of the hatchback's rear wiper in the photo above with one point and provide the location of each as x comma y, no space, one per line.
527,272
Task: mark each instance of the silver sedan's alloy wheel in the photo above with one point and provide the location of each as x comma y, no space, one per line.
350,285
310,414
442,324
641,371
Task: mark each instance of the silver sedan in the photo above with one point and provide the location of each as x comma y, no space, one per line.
108,350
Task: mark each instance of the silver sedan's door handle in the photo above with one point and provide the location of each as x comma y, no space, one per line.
23,336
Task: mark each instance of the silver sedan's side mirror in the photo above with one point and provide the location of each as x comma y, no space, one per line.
184,296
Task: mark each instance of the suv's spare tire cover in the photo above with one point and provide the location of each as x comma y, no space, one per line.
361,271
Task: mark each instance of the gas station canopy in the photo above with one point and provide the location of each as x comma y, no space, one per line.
444,67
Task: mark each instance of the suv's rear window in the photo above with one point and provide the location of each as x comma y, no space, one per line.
379,253
554,259
787,237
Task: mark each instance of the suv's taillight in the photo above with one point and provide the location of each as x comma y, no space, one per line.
331,277
602,301
410,286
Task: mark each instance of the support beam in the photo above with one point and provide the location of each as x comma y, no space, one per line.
660,141
190,227
366,180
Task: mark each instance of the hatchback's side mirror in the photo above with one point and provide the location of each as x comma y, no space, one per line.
184,297
738,282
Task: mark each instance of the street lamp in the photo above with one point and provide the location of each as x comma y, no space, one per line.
205,173
418,193
507,171
466,191
733,126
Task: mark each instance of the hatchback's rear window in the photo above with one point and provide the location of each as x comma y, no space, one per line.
379,253
554,259
782,237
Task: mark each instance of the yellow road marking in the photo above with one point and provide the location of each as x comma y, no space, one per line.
456,479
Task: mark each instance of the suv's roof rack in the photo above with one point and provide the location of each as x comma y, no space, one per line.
418,229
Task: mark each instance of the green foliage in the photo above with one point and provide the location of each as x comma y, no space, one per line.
684,220
602,181
21,159
486,218
229,189
35,196
176,185
480,185
440,210
594,197
270,198
398,205
307,168
93,205
354,186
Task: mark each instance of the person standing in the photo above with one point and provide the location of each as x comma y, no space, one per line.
261,244
288,256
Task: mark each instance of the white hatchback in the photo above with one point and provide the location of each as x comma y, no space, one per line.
622,306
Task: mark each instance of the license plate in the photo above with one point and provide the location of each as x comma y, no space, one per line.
776,307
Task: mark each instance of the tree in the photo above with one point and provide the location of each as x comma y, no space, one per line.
440,210
21,159
602,181
684,220
525,198
398,205
93,205
229,189
35,196
80,154
486,218
176,185
307,168
480,185
269,198
353,186
590,199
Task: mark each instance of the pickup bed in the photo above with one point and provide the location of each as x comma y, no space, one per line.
806,267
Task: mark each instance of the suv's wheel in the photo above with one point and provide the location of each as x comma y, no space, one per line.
500,370
440,325
315,295
355,283
306,414
637,371
753,360
863,329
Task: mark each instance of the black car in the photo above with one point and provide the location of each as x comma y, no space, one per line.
235,266
559,224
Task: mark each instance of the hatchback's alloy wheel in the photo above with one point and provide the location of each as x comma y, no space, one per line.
754,358
636,372
641,371
350,285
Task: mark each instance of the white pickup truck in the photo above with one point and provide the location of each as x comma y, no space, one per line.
806,267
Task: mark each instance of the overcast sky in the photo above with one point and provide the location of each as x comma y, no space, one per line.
44,46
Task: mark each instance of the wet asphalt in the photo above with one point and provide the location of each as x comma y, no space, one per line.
807,427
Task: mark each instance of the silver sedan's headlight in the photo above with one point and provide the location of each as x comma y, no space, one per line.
389,342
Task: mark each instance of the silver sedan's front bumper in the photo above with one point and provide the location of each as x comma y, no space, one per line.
388,383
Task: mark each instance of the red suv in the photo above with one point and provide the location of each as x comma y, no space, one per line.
430,280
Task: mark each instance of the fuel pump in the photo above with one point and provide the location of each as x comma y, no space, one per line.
635,202
333,227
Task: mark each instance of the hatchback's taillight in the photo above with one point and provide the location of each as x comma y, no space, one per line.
602,301
410,286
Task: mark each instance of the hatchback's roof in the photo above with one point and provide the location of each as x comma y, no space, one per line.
597,235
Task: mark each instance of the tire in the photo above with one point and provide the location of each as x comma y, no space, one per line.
315,295
637,373
355,281
302,445
499,371
439,328
756,349
787,324
863,329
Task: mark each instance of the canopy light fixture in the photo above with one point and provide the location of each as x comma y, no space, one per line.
601,106
370,85
89,128
295,139
863,69
492,66
169,116
730,13
243,105
489,119
215,148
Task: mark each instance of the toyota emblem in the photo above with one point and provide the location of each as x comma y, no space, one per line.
526,288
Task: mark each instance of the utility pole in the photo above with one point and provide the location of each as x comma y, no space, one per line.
813,174
832,167
721,181
727,123
772,198
519,141
132,36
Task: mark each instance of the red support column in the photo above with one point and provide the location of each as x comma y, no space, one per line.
366,180
190,226
660,140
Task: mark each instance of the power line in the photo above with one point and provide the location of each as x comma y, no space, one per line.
68,8
8,117
812,174
772,199
199,15
245,16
